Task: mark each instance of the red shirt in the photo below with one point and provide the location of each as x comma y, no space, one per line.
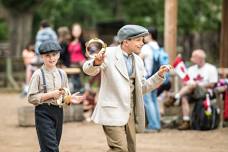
75,51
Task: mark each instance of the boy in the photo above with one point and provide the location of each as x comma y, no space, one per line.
47,89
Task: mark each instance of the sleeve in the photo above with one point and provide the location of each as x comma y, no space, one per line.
152,82
90,69
34,92
213,75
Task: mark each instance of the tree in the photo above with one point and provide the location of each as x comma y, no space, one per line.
20,17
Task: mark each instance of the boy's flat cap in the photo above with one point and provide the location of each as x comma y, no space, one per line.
131,31
49,46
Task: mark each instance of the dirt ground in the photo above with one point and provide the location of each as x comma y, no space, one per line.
88,137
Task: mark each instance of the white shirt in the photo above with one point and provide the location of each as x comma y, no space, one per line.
147,54
204,75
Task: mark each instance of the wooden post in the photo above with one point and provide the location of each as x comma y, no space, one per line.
224,36
170,28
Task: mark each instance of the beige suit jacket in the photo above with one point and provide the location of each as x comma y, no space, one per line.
113,106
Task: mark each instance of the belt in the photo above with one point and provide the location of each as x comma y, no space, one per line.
53,105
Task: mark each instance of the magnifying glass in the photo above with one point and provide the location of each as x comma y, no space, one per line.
94,46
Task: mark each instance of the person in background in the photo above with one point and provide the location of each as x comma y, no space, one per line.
76,47
120,108
148,52
64,38
76,50
28,55
203,76
45,33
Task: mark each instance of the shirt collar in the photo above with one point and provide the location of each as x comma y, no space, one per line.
49,70
126,54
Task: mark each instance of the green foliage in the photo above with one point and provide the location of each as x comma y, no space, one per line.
199,15
193,15
20,5
3,30
62,12
145,12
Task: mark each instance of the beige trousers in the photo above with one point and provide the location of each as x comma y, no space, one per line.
121,138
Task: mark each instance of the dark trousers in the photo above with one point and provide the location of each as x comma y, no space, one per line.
49,122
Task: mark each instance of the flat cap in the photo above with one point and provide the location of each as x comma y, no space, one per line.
49,46
131,31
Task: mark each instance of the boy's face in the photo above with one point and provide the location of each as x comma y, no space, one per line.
135,45
50,59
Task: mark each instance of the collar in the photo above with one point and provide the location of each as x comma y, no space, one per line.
126,54
49,70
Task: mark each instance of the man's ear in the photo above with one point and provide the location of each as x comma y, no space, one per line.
58,55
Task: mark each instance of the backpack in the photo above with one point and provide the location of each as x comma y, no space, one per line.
160,57
201,120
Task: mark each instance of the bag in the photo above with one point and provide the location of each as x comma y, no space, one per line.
199,93
201,120
160,57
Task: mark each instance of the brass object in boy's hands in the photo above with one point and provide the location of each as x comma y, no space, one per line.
65,98
94,46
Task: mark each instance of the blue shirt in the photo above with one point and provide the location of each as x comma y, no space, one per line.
129,62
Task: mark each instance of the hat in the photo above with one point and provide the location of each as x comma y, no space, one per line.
131,31
49,46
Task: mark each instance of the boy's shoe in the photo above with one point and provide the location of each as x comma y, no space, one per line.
184,125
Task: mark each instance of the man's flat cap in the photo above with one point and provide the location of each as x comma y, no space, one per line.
49,46
131,31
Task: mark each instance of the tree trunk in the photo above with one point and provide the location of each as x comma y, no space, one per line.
224,36
20,27
20,32
171,28
9,75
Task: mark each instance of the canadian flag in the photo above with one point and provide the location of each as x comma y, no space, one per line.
207,105
180,69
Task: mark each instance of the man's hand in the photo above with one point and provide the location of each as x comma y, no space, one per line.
99,58
164,69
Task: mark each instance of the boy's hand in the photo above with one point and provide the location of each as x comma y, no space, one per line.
56,94
164,69
99,58
76,98
73,99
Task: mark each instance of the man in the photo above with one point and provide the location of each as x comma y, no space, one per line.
148,51
120,101
203,77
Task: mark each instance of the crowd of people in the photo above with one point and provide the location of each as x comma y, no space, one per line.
131,75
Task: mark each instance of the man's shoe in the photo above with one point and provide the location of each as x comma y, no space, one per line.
151,130
185,125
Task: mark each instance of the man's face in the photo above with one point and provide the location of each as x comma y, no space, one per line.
197,59
51,59
135,45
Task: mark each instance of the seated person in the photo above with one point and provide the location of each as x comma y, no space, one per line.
203,76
